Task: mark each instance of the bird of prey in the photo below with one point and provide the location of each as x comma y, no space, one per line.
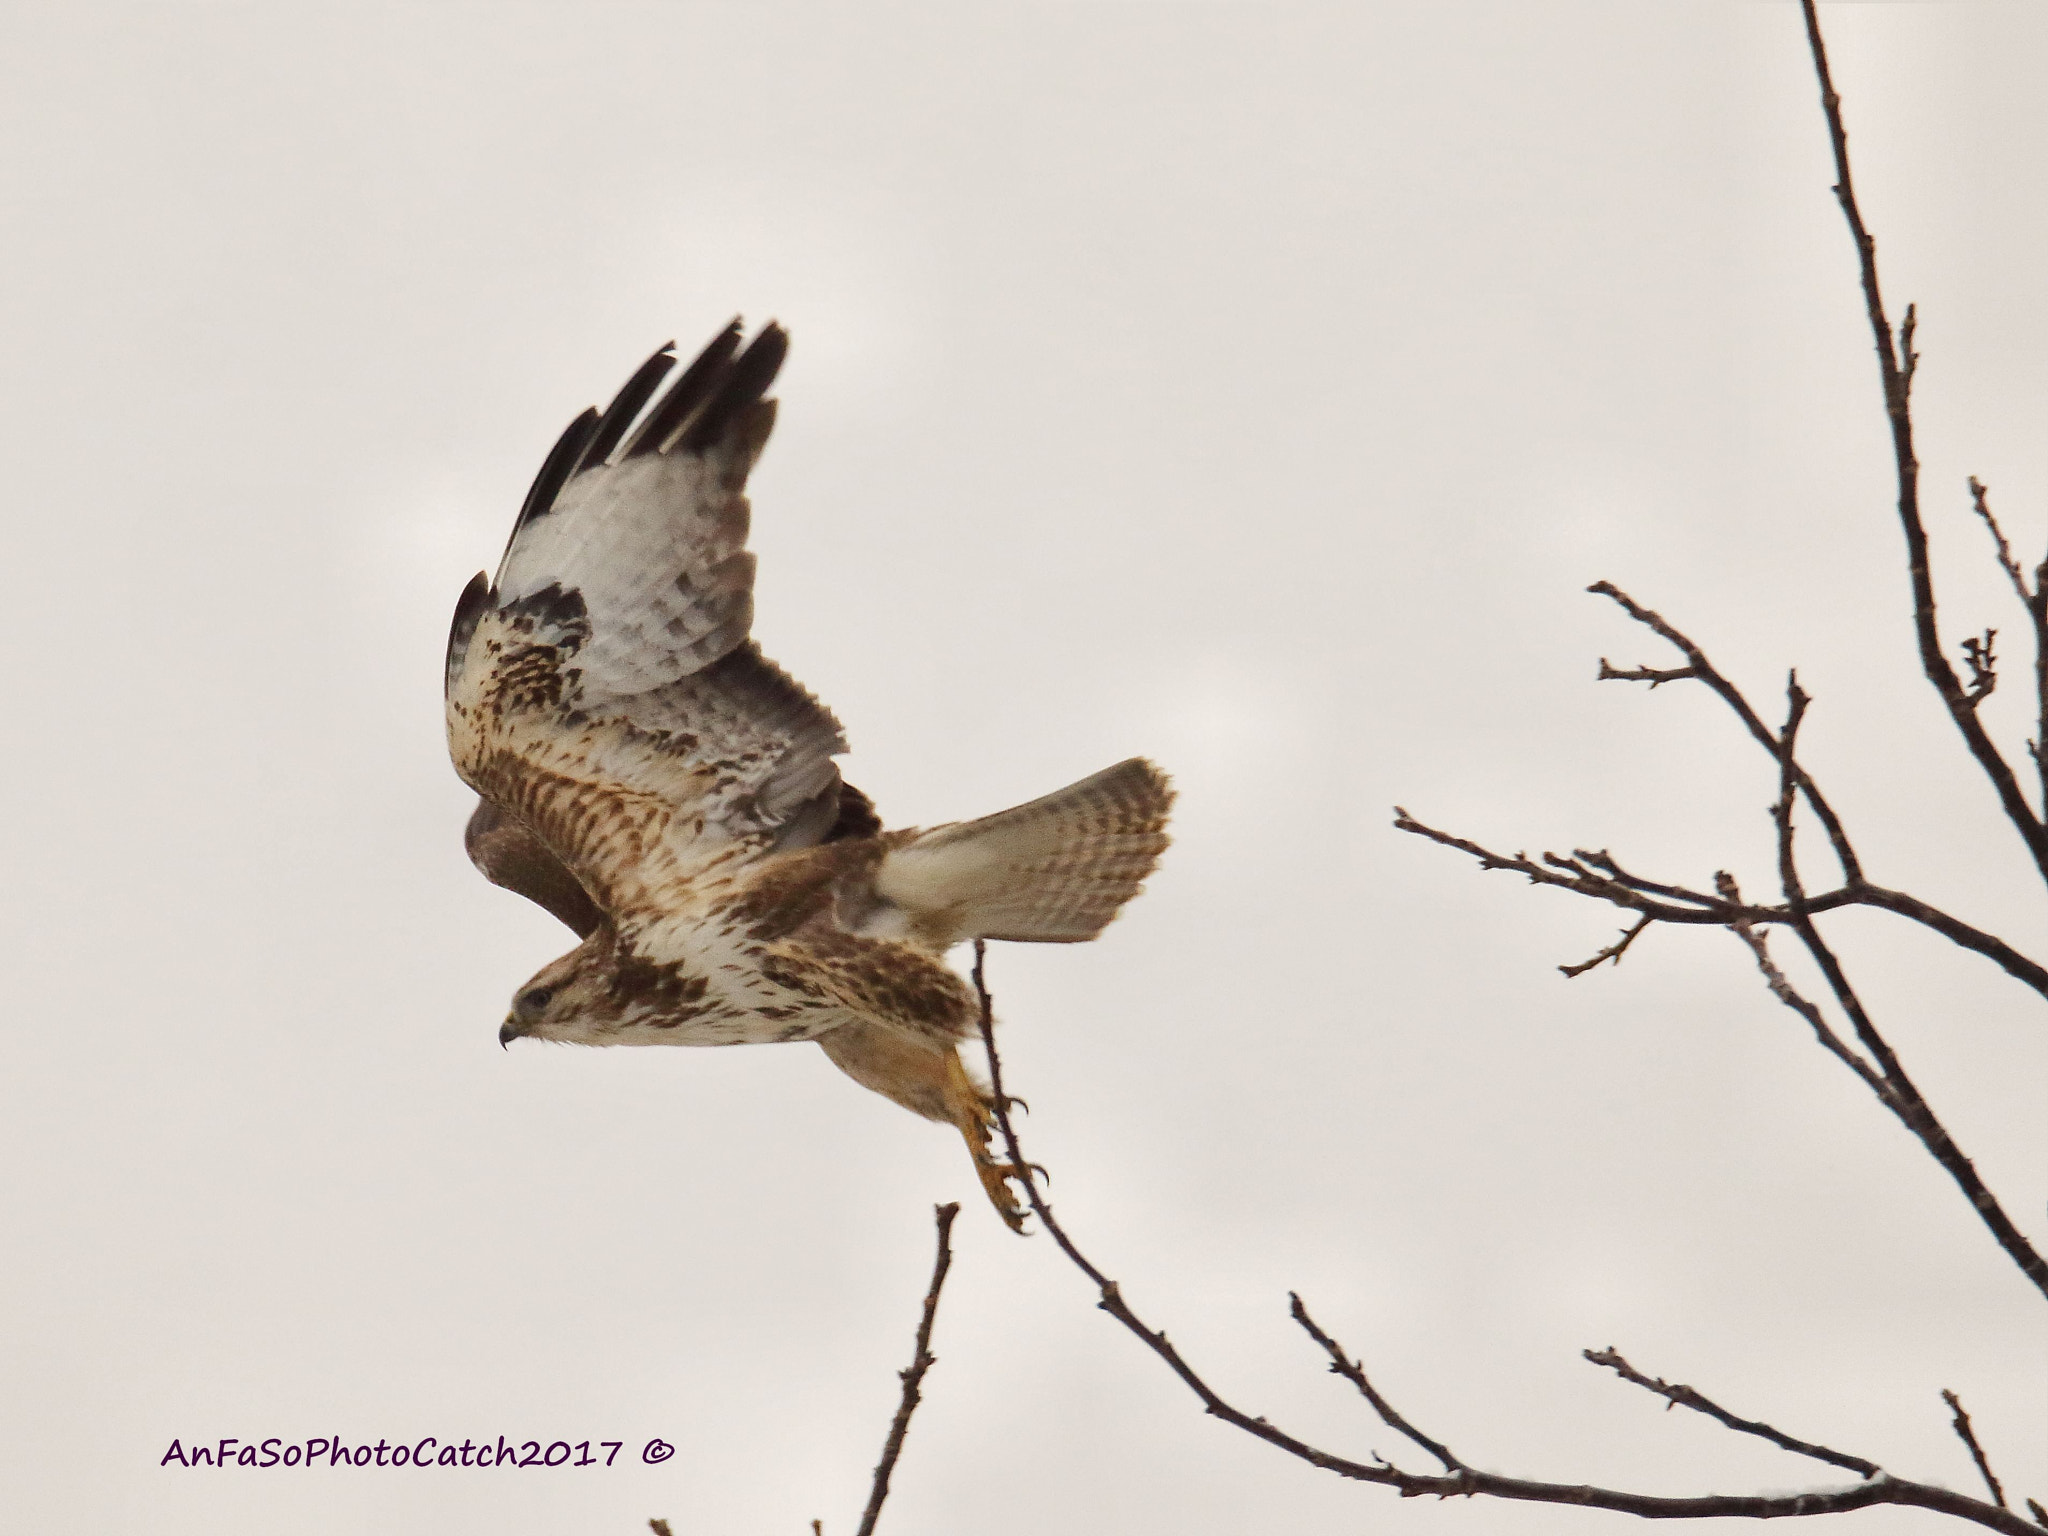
654,781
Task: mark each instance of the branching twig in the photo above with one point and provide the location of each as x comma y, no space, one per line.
1782,989
1459,1480
1612,952
1982,660
2035,600
1894,1089
1353,1371
1980,502
1698,666
1604,880
1897,362
1609,673
920,1362
1685,1397
1961,1425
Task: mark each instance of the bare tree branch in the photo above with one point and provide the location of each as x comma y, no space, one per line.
1698,666
1612,952
1894,1089
1603,880
1896,363
2035,600
1961,1425
1685,1397
1980,656
920,1362
1353,1371
1980,501
1458,1480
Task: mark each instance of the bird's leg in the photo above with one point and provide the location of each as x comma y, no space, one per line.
973,1111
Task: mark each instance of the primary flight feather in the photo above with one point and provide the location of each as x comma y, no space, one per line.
655,782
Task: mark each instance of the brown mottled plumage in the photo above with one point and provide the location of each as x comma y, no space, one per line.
669,793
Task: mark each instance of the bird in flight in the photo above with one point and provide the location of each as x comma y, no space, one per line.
654,781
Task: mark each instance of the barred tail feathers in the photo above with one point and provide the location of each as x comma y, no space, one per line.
1053,871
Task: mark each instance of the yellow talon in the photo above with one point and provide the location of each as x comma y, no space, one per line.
974,1113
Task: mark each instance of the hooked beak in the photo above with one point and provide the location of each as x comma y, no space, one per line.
509,1031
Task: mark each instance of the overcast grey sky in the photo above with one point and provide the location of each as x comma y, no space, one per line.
1253,388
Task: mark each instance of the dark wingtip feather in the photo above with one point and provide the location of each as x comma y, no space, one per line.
692,387
469,611
626,405
752,372
555,471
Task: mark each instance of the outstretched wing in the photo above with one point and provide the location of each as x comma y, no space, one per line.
603,696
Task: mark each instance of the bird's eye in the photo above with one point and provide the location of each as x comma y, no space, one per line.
532,1004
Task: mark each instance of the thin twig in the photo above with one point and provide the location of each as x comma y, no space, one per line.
1353,1371
1602,879
920,1362
1781,988
1685,1397
1654,676
1889,1081
1577,875
1961,1425
1980,502
1981,657
1465,1481
2035,600
1612,952
1697,665
1856,889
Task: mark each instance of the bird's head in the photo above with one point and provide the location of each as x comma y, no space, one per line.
572,998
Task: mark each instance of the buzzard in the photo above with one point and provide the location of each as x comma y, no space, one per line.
655,782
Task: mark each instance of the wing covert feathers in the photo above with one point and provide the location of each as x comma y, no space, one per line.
1053,871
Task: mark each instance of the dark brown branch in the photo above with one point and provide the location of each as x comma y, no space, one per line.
1782,989
920,1362
1604,880
1894,1089
1612,952
1609,673
1579,876
2035,600
1981,658
1698,666
2040,1515
1599,877
2015,964
1855,889
1464,1481
1980,501
1685,1397
1961,1425
1896,364
1353,1371
659,1527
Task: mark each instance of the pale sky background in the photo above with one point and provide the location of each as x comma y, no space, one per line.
1254,388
